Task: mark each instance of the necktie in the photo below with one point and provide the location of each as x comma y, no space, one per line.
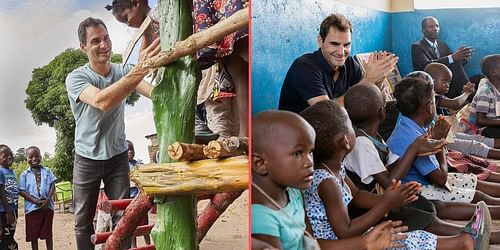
436,50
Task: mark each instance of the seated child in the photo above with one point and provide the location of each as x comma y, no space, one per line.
371,162
331,190
442,76
282,165
465,143
485,106
37,186
9,195
415,101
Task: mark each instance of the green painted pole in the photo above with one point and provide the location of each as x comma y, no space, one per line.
174,101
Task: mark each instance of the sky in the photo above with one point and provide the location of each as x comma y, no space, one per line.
32,38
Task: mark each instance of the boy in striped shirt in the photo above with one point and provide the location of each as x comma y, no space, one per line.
485,107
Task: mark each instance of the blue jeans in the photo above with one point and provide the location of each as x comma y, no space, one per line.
87,176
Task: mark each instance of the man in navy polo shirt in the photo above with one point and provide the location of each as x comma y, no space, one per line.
328,72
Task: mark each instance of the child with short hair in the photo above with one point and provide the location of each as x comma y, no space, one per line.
415,100
37,186
332,191
485,106
9,195
282,165
442,76
371,162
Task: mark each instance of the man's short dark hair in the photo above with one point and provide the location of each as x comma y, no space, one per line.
337,21
410,93
489,63
88,22
328,119
425,20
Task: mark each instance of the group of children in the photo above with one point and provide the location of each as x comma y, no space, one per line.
357,180
37,186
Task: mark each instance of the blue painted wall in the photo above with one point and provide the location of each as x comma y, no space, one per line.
479,28
282,30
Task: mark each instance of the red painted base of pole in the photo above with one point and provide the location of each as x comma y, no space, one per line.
129,222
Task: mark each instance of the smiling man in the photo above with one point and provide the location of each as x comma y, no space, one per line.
430,49
328,72
97,93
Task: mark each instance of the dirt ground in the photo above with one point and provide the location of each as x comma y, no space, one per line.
230,231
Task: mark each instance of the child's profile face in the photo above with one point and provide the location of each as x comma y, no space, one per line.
131,151
350,134
6,157
442,84
33,157
290,161
132,16
430,108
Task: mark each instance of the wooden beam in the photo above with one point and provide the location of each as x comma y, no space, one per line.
200,40
185,151
204,176
227,147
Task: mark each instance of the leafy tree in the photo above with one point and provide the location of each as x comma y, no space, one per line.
48,102
20,156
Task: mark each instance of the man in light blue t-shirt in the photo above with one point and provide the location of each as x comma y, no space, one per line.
97,93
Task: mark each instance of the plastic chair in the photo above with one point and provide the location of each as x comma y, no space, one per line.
63,194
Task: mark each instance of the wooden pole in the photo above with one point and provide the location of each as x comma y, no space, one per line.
174,101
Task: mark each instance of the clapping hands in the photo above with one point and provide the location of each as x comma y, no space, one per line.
379,66
399,194
440,129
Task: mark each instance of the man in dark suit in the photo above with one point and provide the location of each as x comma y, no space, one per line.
429,49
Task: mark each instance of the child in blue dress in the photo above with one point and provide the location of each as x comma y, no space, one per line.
282,165
332,191
37,186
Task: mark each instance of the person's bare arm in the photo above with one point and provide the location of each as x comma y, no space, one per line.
28,197
317,99
460,100
268,240
107,98
484,121
144,88
440,175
